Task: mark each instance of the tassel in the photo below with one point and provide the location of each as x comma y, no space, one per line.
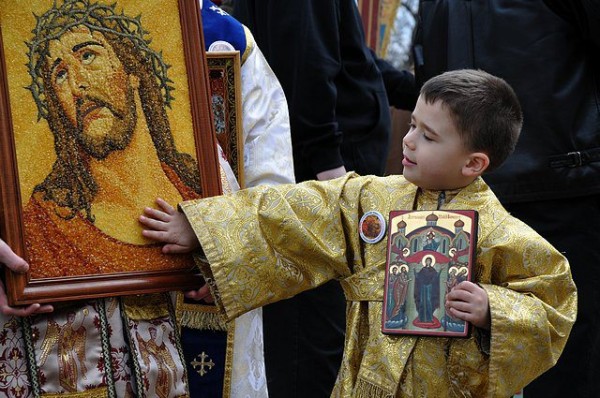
364,389
202,320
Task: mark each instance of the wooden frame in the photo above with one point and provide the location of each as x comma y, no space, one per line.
428,253
224,77
186,47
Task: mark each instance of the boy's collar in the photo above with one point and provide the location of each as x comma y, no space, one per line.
428,199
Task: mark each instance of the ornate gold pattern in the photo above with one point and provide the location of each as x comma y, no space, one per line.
154,349
69,341
100,392
297,236
146,306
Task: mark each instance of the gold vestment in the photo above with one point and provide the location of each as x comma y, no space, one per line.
270,243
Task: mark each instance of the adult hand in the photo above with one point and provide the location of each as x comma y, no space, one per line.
201,294
16,264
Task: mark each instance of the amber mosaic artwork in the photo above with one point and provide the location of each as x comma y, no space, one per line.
102,127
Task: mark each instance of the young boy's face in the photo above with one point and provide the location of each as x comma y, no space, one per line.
434,154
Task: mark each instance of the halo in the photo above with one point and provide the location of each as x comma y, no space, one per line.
453,270
394,268
426,257
404,266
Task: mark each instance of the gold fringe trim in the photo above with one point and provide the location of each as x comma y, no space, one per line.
364,389
100,392
146,306
205,320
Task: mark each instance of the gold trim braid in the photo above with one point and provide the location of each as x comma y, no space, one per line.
146,307
249,44
100,392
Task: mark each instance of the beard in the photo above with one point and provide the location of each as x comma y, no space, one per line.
117,137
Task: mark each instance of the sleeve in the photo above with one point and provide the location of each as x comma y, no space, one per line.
533,304
317,62
301,41
400,85
265,120
269,243
583,14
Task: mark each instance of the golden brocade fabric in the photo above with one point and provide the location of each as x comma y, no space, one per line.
270,243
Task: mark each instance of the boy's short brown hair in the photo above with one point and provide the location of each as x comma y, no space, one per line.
484,107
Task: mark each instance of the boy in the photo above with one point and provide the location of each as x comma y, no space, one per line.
268,244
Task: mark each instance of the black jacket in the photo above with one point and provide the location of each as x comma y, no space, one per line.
338,107
552,63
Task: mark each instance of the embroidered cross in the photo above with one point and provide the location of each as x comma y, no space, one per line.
218,10
202,363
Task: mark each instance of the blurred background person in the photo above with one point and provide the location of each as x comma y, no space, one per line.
548,52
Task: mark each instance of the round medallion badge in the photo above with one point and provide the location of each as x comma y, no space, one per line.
372,227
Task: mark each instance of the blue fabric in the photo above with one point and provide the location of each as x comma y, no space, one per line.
218,25
213,344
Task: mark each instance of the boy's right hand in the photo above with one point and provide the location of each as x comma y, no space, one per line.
170,227
16,264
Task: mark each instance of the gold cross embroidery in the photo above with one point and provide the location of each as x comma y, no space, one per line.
202,364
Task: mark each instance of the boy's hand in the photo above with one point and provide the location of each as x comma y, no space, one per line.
469,302
169,226
16,264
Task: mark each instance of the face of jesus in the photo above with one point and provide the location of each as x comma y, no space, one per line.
94,90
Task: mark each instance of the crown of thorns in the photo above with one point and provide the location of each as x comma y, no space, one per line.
96,17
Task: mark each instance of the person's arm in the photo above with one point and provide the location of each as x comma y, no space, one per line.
400,85
301,42
16,264
269,242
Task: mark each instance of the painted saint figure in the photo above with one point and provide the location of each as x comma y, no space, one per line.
427,294
399,281
430,241
69,341
156,349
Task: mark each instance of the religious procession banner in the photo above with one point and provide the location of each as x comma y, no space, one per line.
378,21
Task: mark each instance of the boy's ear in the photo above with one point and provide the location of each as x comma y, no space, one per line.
476,164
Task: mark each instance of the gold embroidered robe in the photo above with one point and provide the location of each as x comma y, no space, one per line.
270,243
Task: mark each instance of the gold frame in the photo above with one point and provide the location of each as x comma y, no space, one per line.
224,70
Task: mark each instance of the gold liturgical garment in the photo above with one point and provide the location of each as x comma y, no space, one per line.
270,243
